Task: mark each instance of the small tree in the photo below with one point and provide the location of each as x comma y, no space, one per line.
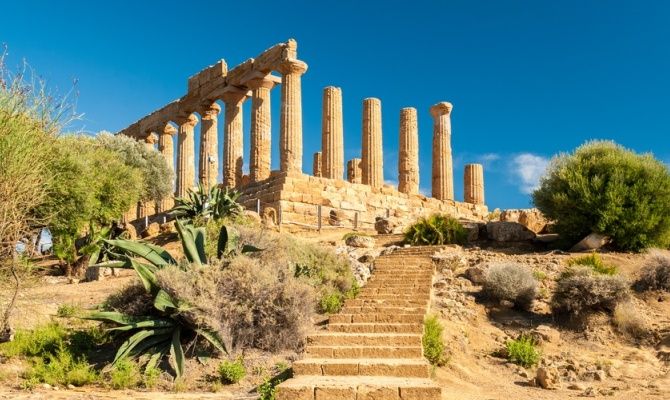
605,188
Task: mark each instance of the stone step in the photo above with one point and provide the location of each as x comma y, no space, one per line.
310,387
364,339
411,368
391,303
391,296
364,351
376,328
378,318
382,310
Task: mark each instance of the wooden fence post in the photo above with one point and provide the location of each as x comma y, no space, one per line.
318,216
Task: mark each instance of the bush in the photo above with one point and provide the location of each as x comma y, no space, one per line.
61,368
605,188
433,346
125,374
512,282
629,321
42,340
435,230
581,290
655,274
595,262
522,351
331,303
232,372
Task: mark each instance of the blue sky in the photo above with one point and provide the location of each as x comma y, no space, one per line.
527,79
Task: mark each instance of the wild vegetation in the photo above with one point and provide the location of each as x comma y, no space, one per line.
434,230
604,188
511,282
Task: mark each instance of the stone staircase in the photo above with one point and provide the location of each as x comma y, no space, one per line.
372,349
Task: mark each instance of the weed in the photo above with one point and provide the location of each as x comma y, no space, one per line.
62,368
522,351
281,366
267,390
595,262
125,374
330,303
629,321
38,342
433,346
150,377
232,372
68,311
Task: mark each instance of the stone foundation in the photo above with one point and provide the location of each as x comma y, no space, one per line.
298,195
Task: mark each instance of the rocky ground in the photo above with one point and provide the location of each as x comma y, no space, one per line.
592,360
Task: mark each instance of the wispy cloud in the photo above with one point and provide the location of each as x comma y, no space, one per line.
529,168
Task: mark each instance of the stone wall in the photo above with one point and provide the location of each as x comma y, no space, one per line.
299,196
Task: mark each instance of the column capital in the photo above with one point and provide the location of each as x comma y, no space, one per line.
234,96
168,129
191,120
209,111
292,66
441,108
151,138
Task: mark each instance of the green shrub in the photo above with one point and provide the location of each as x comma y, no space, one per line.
150,377
655,274
512,282
125,374
435,230
232,371
267,390
433,346
42,340
67,311
331,303
61,368
605,188
522,351
581,290
595,262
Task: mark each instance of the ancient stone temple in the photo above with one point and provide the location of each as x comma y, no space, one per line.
288,193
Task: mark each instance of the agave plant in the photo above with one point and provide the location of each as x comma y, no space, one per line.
214,203
160,333
435,230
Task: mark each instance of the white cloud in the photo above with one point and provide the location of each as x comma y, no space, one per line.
529,168
488,157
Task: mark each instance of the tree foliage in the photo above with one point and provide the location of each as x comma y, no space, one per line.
604,188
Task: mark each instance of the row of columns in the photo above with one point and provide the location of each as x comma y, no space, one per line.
369,169
258,89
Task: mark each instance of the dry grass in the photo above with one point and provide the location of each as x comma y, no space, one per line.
655,274
628,320
581,290
512,282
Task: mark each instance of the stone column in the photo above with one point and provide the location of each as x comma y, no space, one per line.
473,184
443,174
150,141
209,150
372,164
318,162
332,133
233,150
186,155
408,155
261,129
166,147
290,130
354,173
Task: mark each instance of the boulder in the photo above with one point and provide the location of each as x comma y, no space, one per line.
545,334
336,217
385,226
476,274
531,218
593,241
269,217
168,227
360,241
548,378
98,273
152,230
508,232
253,216
472,228
130,231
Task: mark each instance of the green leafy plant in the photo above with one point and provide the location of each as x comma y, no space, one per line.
433,346
523,351
595,262
125,374
215,203
232,371
67,310
331,303
62,368
435,230
160,332
604,188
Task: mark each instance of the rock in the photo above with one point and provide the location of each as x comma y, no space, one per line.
168,227
70,386
152,230
531,218
385,226
472,228
592,241
545,334
546,238
476,274
130,231
576,386
366,258
548,378
336,217
508,232
253,216
46,386
360,241
270,217
97,273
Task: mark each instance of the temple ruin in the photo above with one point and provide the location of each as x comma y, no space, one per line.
288,194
